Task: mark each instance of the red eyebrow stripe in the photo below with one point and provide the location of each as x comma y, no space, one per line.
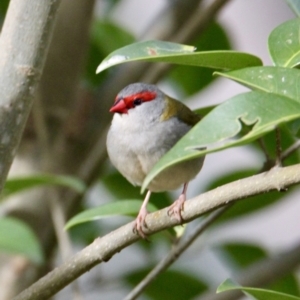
145,96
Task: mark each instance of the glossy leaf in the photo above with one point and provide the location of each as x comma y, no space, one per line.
19,184
276,80
259,294
284,44
218,130
17,238
192,79
123,207
159,51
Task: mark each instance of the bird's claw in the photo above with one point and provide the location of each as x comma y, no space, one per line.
140,224
176,208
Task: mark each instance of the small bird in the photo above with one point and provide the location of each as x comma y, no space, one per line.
146,124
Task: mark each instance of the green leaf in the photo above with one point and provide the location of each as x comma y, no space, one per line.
123,207
18,238
295,6
3,8
192,79
276,80
19,184
284,44
244,254
159,51
287,284
219,129
171,284
259,294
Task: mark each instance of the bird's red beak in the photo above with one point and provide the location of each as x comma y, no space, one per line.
119,107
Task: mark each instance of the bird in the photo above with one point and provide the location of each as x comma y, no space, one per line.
146,124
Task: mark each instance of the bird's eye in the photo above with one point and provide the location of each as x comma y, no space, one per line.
137,101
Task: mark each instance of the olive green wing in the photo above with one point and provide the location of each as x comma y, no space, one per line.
176,108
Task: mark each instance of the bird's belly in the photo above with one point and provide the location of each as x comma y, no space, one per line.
173,177
134,165
134,154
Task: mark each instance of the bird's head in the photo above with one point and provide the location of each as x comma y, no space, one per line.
134,95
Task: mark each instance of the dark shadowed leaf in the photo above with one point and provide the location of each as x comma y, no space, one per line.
105,38
171,284
193,79
242,254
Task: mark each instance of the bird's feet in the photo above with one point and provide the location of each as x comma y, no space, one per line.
140,223
177,207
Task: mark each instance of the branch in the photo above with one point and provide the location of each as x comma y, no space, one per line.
174,254
289,151
24,42
102,249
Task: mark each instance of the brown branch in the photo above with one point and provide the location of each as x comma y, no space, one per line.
102,249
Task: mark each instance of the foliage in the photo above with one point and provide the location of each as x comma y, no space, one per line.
259,294
272,102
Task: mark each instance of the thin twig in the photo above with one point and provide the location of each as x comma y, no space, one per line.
278,147
63,238
175,253
102,249
289,151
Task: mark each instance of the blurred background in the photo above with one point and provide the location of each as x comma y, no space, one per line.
66,134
